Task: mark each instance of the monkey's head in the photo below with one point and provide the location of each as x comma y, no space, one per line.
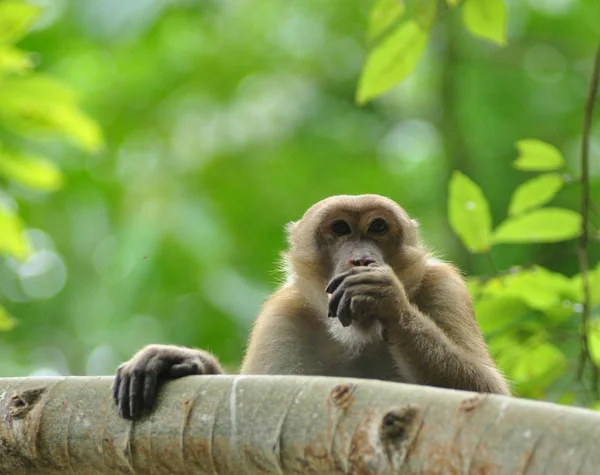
344,231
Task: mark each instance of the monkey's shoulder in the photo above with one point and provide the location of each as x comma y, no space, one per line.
289,302
442,285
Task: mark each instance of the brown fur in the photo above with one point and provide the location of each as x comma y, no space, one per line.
400,316
432,334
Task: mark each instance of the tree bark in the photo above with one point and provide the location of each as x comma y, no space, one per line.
288,424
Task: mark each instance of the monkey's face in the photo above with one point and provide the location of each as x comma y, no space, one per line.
342,232
351,239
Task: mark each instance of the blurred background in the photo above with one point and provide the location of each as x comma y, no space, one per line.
223,120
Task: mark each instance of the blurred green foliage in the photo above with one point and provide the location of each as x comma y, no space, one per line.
223,120
34,106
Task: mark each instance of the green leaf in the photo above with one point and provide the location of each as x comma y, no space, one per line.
423,11
7,322
567,398
30,171
391,61
541,361
486,19
12,239
469,213
543,225
538,288
535,192
530,363
15,19
535,155
39,105
475,287
13,60
79,127
383,14
496,313
505,349
39,87
593,337
452,3
594,283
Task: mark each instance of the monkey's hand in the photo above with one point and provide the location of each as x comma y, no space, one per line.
137,380
365,294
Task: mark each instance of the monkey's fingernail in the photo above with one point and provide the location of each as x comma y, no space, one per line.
329,296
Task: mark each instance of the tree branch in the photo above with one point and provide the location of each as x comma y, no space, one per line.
288,424
584,209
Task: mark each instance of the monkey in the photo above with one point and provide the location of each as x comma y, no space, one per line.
363,297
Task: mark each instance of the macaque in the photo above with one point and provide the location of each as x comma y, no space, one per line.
362,298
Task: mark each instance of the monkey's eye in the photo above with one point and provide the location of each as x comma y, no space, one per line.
340,227
378,226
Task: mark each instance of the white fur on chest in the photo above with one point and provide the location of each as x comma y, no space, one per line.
352,337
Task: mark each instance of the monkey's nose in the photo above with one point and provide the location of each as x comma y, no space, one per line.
365,261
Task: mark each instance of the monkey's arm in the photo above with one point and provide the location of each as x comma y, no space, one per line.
436,335
280,344
137,380
439,336
283,339
441,328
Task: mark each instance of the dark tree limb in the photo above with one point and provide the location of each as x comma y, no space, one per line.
584,236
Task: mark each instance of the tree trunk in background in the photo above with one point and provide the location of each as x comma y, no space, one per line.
288,424
455,149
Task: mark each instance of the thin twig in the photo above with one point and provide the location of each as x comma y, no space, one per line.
585,206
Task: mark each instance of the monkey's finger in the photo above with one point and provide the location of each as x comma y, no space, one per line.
357,303
209,364
185,369
334,283
158,365
370,278
344,313
136,393
363,303
329,314
338,279
116,386
150,388
334,301
349,280
124,396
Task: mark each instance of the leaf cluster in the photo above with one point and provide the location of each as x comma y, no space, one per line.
401,30
33,107
523,310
